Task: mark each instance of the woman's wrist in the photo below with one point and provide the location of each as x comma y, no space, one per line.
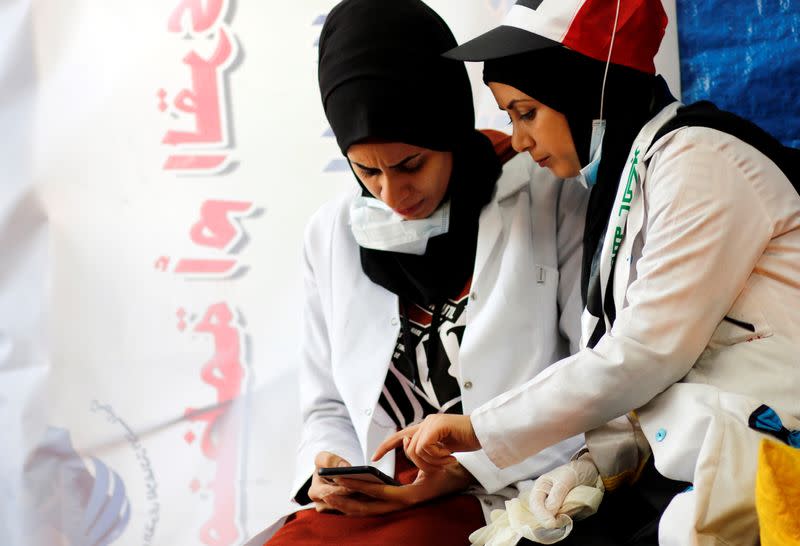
462,475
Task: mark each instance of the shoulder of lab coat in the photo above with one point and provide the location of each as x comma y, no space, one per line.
710,213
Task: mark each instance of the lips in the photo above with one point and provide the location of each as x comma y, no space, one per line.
410,211
542,161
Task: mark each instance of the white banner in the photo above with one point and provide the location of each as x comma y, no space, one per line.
159,163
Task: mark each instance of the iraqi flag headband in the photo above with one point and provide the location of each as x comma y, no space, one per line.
584,26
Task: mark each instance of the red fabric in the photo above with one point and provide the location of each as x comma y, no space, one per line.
404,470
501,143
447,521
640,29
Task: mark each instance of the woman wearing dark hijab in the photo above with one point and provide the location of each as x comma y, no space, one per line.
692,326
442,279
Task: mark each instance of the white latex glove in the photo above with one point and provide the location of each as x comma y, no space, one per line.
550,489
508,526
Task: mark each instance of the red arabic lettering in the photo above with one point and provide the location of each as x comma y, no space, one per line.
162,263
204,149
220,438
201,18
181,314
203,100
215,228
223,371
214,267
221,530
218,268
207,443
187,163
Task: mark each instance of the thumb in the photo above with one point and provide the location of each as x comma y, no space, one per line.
556,497
537,508
326,459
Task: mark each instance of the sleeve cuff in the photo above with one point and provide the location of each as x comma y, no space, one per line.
494,448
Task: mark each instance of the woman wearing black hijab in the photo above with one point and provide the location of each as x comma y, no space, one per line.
444,278
692,326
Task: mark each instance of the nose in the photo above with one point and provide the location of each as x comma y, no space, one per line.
521,141
394,191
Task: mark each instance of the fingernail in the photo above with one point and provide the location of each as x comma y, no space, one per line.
342,464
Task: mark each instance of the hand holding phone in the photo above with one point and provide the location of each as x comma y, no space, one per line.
364,473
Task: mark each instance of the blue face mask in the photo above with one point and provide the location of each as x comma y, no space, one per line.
588,174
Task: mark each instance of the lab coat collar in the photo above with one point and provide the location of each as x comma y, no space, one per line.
515,177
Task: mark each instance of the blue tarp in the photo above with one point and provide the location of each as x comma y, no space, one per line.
744,55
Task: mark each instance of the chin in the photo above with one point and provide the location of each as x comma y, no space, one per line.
424,211
564,171
418,216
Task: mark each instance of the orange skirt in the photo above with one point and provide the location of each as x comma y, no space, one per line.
446,521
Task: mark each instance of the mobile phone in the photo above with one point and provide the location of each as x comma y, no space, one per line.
364,473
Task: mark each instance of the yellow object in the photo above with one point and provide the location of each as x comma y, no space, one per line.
778,494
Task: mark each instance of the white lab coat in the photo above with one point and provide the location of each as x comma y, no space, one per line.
523,314
715,233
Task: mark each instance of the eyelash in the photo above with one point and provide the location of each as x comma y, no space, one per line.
368,174
408,170
403,169
527,116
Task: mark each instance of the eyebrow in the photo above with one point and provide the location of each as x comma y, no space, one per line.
513,103
398,164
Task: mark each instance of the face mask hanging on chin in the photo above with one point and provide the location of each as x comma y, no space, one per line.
375,225
588,174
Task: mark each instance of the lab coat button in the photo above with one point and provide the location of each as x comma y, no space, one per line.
394,321
661,434
487,502
473,296
468,385
368,412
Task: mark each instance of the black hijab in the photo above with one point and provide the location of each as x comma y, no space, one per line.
381,76
571,83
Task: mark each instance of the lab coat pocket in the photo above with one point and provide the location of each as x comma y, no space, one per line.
744,321
533,292
545,276
738,356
